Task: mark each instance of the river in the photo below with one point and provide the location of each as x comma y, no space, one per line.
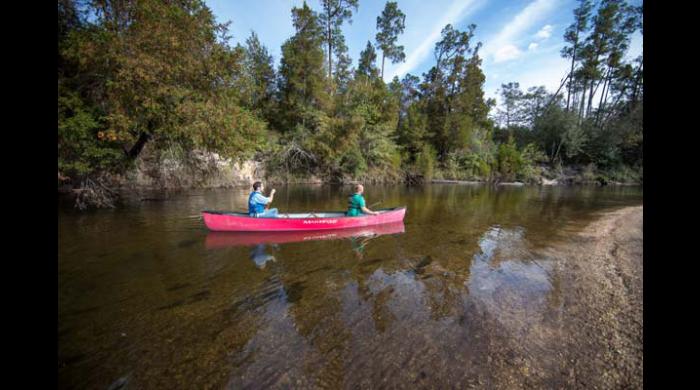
148,298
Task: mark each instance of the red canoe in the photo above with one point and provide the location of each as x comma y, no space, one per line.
226,239
224,221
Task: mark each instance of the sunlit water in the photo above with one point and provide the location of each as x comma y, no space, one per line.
148,298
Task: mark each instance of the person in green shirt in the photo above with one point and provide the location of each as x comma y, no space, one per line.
356,203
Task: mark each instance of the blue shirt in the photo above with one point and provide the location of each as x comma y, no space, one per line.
259,198
256,201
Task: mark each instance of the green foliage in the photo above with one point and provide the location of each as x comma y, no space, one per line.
557,129
302,82
82,147
625,174
509,160
523,165
259,72
221,125
452,92
353,162
333,14
307,148
158,73
531,160
163,73
370,119
390,24
476,166
366,66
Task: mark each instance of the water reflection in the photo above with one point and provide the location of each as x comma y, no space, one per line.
216,240
416,319
264,242
461,297
260,257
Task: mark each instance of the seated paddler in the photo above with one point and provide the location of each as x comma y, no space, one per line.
257,202
356,203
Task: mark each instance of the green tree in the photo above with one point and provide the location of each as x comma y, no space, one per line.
413,122
390,24
509,160
625,22
259,66
608,27
143,70
302,80
511,113
334,13
573,36
557,128
370,119
443,86
366,66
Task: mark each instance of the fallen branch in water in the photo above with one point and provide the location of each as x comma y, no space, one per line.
94,193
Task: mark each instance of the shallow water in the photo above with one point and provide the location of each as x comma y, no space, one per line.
148,298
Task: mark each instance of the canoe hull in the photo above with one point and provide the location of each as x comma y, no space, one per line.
237,222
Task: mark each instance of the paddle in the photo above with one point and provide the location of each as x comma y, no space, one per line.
374,204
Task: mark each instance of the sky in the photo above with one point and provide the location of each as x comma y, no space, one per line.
522,39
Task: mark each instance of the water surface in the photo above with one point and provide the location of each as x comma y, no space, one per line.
148,298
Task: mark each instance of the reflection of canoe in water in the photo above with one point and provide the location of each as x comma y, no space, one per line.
226,239
232,221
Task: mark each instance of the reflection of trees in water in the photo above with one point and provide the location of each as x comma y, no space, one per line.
153,310
452,331
206,326
378,299
424,322
303,337
316,310
521,298
314,298
546,212
421,319
428,308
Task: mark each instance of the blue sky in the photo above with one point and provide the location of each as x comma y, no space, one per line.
522,38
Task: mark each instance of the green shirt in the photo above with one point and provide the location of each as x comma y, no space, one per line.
355,204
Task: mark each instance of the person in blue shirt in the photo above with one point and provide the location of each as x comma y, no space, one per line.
257,202
356,203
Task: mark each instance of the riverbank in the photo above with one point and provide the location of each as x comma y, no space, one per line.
602,328
152,173
591,335
545,182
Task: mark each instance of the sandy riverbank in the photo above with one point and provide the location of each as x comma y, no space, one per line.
603,305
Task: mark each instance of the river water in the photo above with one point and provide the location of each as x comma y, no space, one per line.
148,298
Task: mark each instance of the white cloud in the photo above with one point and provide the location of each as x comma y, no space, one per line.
516,27
545,32
457,11
506,53
547,71
532,46
636,45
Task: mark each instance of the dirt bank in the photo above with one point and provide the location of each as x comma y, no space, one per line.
602,306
